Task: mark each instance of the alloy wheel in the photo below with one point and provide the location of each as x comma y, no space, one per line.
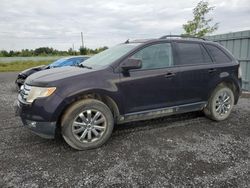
89,126
223,103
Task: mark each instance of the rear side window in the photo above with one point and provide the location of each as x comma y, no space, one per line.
191,54
218,54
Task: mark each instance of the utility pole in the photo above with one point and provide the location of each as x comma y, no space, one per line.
73,49
82,39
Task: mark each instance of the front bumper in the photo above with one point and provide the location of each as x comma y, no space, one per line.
42,128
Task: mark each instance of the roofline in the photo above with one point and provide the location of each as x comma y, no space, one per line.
144,41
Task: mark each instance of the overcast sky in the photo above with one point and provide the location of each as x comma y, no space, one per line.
58,23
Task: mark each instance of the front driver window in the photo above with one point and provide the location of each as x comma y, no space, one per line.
155,56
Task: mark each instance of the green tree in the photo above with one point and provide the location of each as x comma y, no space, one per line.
46,51
4,53
11,53
25,53
200,25
70,51
43,51
83,50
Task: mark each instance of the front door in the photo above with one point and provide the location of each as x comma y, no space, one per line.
154,85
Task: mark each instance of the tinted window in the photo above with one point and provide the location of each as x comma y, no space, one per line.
155,56
219,55
192,53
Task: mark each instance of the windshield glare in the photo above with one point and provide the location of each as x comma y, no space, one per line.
108,56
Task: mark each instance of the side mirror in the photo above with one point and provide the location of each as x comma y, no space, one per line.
131,64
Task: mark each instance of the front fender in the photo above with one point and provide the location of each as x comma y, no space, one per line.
114,95
104,84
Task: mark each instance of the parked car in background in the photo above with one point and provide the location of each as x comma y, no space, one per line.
134,81
66,61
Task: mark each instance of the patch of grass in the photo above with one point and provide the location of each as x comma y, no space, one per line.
21,65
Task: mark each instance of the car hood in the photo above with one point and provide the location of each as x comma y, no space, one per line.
29,71
50,76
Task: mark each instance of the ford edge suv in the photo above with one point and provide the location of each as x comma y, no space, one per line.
133,81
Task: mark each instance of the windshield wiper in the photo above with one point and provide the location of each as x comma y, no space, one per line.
84,66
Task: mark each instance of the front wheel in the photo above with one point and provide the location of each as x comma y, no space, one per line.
220,103
87,124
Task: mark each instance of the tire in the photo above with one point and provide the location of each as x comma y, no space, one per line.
220,103
88,115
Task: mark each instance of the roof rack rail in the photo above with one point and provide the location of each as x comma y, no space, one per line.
181,36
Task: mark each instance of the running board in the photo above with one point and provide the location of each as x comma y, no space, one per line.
156,113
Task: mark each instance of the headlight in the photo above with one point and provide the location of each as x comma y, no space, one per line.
37,92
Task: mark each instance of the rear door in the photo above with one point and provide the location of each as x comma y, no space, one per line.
195,68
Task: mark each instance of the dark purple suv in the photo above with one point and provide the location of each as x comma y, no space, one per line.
133,81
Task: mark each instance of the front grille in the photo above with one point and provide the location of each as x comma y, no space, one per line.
24,92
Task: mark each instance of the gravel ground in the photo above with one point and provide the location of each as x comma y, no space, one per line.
184,150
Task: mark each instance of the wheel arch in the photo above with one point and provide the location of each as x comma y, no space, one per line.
103,97
232,85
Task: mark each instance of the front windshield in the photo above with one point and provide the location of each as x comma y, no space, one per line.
109,56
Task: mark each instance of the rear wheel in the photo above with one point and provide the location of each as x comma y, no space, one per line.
87,124
220,103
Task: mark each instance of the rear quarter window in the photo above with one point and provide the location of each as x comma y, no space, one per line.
218,55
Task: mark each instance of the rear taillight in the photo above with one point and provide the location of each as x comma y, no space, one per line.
239,73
